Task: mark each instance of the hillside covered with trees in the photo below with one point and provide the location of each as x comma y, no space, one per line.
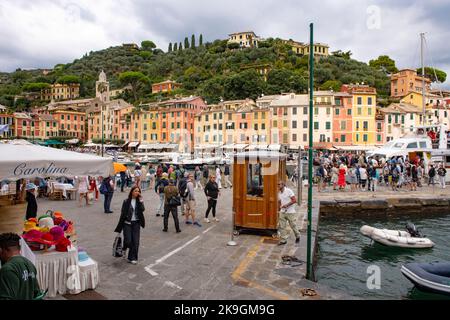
213,70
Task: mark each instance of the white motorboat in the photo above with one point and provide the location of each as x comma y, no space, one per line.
397,238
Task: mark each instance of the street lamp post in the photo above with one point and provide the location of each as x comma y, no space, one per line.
310,153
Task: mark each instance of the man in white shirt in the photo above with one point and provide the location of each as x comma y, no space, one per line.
287,214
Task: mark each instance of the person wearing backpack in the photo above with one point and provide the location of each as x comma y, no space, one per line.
169,192
395,177
107,189
159,189
320,176
441,173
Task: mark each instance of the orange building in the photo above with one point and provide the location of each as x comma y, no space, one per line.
166,86
176,121
342,119
406,81
48,126
72,122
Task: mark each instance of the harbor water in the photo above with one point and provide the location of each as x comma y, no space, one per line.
345,256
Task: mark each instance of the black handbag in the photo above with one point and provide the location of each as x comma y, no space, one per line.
175,201
117,247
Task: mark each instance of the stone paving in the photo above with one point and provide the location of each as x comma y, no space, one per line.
197,264
194,264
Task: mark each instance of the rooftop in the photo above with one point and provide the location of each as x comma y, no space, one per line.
242,32
290,100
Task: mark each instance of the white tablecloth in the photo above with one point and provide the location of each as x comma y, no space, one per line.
64,187
58,272
61,273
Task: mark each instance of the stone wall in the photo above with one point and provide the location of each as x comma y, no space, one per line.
384,207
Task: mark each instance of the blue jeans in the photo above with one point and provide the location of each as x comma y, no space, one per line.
107,202
161,204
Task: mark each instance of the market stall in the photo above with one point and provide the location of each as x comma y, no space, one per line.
62,267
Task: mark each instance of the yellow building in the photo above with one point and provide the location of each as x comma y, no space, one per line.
150,126
246,39
415,98
59,91
363,113
232,122
300,48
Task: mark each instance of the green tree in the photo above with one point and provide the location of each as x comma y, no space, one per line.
35,86
180,47
334,85
175,47
233,46
186,43
135,79
170,47
212,89
200,40
68,79
283,80
384,64
346,55
429,73
146,55
193,42
148,45
19,77
247,84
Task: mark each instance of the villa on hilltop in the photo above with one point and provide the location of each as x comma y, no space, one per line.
248,39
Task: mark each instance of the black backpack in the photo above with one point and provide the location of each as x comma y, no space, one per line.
161,186
184,191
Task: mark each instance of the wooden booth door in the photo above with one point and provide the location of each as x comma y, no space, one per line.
255,193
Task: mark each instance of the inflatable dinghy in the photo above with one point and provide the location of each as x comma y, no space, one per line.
397,238
432,277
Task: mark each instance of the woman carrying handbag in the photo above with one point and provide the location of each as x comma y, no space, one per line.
131,220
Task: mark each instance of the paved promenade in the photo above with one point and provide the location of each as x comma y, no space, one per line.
194,264
197,263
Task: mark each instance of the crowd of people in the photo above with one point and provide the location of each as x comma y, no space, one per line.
361,173
175,187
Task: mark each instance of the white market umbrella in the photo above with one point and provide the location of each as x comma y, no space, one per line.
30,161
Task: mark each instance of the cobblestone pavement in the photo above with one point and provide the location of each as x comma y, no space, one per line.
194,264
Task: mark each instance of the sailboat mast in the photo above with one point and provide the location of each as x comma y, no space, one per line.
422,35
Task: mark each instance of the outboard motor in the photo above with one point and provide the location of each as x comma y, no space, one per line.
412,230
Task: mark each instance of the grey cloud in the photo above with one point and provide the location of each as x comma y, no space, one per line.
341,24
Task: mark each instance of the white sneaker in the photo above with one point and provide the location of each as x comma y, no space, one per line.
133,262
207,220
216,220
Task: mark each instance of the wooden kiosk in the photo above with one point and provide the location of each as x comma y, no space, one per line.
255,190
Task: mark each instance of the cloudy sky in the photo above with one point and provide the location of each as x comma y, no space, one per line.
42,33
